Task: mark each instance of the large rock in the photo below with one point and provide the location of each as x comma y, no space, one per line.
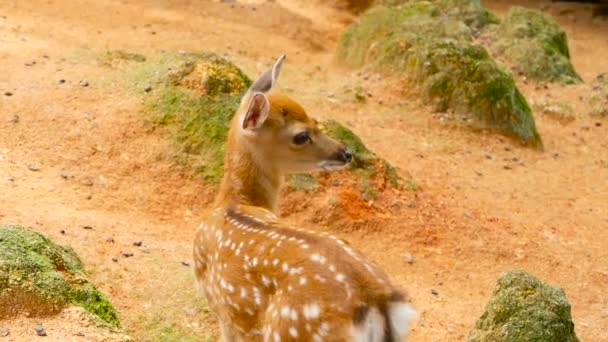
536,45
524,308
39,277
437,53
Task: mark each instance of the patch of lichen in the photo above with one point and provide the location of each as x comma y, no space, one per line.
40,277
536,45
438,55
524,308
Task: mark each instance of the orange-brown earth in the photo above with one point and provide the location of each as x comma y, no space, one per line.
478,204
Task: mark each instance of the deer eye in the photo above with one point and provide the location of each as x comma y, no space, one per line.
301,138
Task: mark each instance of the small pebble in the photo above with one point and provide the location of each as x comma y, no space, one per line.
489,157
507,148
507,167
8,93
83,83
15,119
110,240
64,175
61,81
62,232
138,243
87,227
127,254
34,167
435,293
409,258
148,88
4,332
185,263
598,124
115,259
397,204
40,330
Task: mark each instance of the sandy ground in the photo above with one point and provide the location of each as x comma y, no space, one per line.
484,204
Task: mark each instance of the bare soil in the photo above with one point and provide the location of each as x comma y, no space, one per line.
478,205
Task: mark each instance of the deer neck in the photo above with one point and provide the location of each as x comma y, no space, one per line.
248,179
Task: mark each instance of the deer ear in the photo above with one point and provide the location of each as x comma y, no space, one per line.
267,80
257,112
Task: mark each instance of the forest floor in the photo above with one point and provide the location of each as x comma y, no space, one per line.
73,155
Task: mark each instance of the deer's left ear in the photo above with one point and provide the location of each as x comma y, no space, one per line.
257,112
267,80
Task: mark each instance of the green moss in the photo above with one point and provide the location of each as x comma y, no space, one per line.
536,45
112,58
362,156
437,54
384,33
523,308
40,277
303,182
197,96
365,163
471,12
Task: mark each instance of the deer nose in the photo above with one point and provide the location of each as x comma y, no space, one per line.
345,155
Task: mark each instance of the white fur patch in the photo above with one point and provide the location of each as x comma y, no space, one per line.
371,329
400,317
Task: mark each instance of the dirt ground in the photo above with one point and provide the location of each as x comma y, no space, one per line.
74,155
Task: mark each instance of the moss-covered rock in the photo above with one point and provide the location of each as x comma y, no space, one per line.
524,308
383,33
438,55
208,74
40,277
365,163
536,45
463,77
471,12
196,94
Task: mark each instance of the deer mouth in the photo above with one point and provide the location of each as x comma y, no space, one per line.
332,165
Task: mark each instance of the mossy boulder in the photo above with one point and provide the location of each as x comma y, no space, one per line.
208,74
536,45
524,308
438,55
40,277
383,33
471,12
464,78
196,94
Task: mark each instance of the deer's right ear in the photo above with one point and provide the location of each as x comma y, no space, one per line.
257,112
267,81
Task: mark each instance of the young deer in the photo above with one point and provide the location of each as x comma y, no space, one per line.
265,279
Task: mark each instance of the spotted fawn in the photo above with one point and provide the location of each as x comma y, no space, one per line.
268,280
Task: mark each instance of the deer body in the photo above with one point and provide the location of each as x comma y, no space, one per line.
267,280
